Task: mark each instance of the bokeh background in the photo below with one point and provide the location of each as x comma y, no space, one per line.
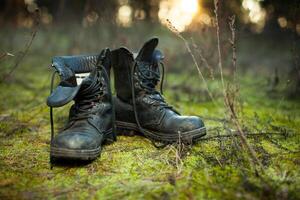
264,40
266,32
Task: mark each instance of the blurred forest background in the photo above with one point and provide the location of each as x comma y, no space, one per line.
254,45
267,32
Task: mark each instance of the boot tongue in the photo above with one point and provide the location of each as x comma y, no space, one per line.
147,64
88,80
147,51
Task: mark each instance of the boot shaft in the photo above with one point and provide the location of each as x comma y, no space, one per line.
122,64
69,69
96,87
143,69
94,95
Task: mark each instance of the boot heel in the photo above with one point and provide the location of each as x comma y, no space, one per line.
126,132
110,138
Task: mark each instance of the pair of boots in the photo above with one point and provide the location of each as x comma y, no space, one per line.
97,117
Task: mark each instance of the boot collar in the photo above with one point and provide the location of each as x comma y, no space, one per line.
66,67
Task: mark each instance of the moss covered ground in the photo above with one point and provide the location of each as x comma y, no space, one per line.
132,168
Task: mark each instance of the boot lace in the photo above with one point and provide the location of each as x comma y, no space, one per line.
147,78
88,98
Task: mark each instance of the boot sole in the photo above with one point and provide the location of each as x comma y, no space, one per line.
131,129
63,153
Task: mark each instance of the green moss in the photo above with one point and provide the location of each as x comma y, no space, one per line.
132,168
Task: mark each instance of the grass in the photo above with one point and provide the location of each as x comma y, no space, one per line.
132,168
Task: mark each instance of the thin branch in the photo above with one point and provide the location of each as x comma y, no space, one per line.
174,30
230,94
36,19
203,59
3,55
232,41
250,135
236,134
220,64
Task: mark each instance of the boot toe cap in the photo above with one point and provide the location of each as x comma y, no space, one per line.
190,123
75,140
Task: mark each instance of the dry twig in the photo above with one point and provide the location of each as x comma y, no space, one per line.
203,59
36,20
174,30
220,64
230,93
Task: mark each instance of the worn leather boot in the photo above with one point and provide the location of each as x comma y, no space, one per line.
140,108
91,117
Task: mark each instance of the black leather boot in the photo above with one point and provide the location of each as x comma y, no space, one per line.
91,117
140,107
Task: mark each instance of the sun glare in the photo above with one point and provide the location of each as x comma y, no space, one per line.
124,16
256,14
179,12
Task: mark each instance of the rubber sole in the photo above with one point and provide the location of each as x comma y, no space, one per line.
63,153
131,129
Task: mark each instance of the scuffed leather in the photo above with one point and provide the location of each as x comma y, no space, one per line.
67,67
153,113
78,64
80,136
90,122
87,133
62,95
121,58
153,118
